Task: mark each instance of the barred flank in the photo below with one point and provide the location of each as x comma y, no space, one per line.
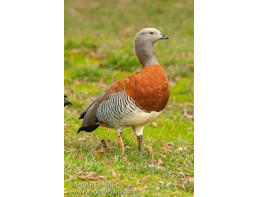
117,109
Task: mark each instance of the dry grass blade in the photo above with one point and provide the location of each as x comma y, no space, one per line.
185,111
106,148
159,162
149,149
114,174
90,176
167,147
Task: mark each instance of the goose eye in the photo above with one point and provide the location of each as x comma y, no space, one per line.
151,32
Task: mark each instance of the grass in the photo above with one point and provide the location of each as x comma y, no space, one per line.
98,51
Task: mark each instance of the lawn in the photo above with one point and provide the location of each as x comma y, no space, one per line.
98,50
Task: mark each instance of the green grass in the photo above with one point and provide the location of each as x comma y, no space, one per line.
98,51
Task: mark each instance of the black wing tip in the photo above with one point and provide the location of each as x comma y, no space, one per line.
80,129
89,128
67,103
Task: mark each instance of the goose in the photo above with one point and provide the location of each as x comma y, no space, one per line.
134,100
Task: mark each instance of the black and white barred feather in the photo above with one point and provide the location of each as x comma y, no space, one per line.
118,110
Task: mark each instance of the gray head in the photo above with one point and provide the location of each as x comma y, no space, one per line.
144,41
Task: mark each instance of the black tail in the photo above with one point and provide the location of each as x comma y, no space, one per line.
89,128
82,115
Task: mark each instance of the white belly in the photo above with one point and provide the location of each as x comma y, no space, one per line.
140,118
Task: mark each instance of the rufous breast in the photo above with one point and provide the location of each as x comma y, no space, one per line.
149,88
